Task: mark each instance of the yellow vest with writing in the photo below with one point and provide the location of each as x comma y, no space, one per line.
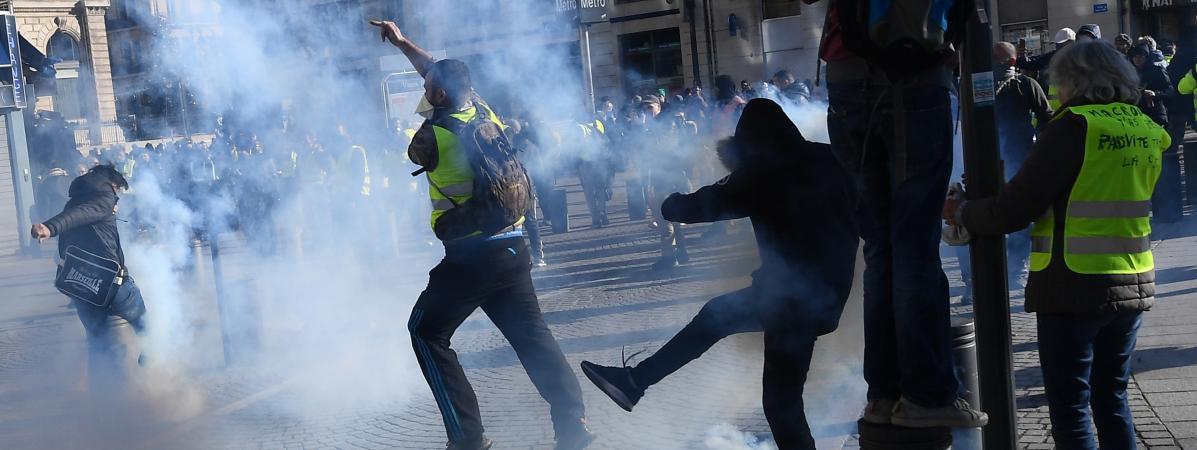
1107,225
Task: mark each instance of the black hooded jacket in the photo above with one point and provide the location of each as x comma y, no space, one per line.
88,220
800,202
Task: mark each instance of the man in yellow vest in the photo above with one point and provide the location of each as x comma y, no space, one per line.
1087,185
478,271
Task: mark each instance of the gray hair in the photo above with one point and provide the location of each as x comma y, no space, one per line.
1094,71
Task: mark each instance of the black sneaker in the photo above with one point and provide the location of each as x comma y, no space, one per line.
665,263
683,257
479,443
575,436
616,382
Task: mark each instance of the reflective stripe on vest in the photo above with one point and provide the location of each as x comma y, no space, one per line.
1107,224
1053,100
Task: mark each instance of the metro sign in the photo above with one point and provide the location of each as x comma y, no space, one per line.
587,11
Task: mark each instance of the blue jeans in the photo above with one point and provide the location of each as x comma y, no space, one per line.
1086,364
107,346
907,325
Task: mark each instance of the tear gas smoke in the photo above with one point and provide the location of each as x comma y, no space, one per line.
324,276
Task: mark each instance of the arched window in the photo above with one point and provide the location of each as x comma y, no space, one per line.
63,46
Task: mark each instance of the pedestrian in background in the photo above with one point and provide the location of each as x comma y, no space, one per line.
1092,271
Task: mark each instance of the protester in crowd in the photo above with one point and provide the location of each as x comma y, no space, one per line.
1088,32
670,173
1168,201
1187,88
1154,85
1039,64
531,218
900,156
1020,105
592,156
789,89
1123,43
727,107
1092,272
491,272
808,253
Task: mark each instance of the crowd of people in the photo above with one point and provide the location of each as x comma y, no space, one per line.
1086,131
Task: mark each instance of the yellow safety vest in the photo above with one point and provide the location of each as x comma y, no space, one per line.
1107,225
1053,100
452,181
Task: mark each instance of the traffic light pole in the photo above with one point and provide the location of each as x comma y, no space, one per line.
984,175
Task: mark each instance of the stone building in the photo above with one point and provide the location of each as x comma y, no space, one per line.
75,33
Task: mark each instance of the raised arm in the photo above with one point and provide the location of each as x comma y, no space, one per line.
419,58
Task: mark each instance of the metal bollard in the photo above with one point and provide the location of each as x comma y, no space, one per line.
890,437
964,354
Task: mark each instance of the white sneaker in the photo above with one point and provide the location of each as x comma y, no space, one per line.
879,411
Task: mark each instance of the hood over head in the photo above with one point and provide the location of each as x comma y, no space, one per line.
94,182
765,131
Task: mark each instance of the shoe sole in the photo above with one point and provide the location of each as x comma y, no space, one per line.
606,387
925,423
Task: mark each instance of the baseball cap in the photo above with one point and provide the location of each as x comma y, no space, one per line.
1091,29
1064,35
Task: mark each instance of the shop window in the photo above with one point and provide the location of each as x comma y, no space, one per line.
652,60
780,8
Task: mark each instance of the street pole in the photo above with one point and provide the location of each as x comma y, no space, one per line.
692,17
983,170
221,308
587,66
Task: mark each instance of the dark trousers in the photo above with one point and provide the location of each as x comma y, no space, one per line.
1086,363
787,359
906,312
106,344
1167,200
494,276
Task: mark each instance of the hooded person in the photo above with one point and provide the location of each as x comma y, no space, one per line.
1154,84
800,202
88,223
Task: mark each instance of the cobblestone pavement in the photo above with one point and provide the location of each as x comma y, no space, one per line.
599,298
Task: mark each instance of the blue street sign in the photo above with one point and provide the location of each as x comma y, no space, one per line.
14,49
1100,7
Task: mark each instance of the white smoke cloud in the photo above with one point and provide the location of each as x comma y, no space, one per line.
727,437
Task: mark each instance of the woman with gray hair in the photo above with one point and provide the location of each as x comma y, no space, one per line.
1087,186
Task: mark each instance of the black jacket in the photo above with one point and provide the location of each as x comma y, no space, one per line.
1153,77
1045,181
1180,105
800,202
88,220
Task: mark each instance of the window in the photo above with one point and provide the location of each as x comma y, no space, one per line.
780,8
63,47
652,60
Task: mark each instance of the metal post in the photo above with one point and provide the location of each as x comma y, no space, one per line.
982,168
587,66
692,16
221,309
22,176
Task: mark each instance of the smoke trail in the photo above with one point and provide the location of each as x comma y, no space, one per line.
727,437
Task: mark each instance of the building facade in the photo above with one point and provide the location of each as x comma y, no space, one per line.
74,33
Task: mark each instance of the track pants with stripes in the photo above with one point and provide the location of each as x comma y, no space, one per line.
495,276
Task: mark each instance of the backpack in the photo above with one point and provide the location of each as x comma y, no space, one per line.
502,191
902,37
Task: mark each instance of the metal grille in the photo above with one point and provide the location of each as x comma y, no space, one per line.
6,6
